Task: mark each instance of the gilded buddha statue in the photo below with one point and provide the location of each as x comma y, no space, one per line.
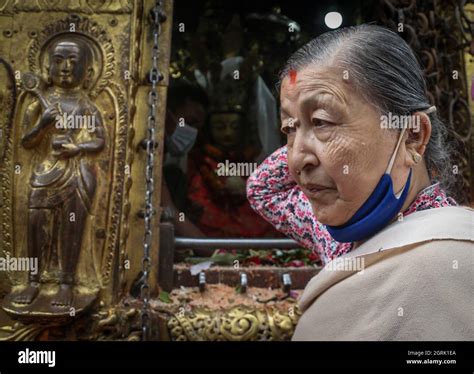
64,127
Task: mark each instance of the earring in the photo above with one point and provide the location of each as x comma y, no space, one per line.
416,157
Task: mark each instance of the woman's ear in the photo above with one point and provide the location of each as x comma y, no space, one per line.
419,133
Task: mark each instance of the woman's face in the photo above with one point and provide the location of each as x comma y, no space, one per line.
336,142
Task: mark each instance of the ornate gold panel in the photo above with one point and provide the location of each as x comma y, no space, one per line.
240,323
73,93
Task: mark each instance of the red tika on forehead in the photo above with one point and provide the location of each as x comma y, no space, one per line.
292,76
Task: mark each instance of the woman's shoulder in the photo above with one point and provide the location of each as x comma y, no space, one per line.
446,223
452,222
447,253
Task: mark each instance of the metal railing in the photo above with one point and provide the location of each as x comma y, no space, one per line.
243,244
169,243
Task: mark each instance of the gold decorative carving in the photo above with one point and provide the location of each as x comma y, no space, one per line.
118,323
122,322
8,102
78,6
19,332
69,193
115,323
63,179
241,323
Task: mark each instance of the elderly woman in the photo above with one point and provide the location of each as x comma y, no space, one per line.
366,189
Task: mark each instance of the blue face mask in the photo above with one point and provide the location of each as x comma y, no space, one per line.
377,211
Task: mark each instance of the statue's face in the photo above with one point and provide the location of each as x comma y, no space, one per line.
67,65
225,129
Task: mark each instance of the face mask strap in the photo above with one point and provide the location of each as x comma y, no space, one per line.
431,109
394,155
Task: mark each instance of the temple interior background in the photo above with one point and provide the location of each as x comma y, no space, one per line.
212,40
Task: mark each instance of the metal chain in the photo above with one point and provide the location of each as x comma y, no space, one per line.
154,77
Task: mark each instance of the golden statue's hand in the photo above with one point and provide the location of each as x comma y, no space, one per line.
49,116
67,150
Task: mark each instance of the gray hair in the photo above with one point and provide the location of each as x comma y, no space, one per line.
387,74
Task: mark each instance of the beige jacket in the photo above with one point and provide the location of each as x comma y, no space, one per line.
416,283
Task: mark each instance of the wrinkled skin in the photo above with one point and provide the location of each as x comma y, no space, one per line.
337,142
